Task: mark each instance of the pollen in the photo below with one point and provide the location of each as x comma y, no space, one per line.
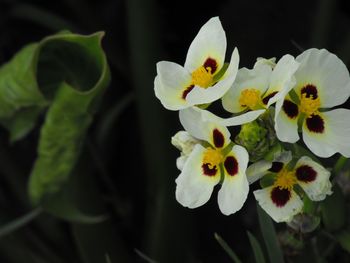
250,98
285,180
309,105
213,157
202,77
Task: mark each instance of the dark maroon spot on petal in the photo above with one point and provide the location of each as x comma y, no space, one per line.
306,173
276,167
231,165
211,63
290,108
186,91
315,124
209,171
268,97
280,196
218,138
310,89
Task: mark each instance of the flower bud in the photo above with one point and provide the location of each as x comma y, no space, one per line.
258,137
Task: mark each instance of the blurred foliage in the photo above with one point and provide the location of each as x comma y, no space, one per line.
113,165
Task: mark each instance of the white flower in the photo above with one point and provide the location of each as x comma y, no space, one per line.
280,200
201,80
213,161
322,81
254,90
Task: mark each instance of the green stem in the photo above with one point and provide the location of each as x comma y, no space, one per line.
339,165
20,222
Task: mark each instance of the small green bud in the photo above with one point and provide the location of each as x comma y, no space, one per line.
258,137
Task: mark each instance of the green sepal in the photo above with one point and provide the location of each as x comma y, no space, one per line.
222,71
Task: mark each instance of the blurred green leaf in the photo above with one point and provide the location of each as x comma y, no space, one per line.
19,93
62,206
344,239
72,72
258,254
333,210
340,164
227,249
270,238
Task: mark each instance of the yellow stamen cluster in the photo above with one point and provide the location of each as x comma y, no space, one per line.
309,105
202,77
250,98
285,180
213,157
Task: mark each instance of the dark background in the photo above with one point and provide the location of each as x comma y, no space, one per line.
132,166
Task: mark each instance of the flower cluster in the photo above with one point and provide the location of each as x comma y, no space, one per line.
272,103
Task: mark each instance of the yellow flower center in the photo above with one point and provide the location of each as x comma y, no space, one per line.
250,98
309,105
285,180
213,157
202,77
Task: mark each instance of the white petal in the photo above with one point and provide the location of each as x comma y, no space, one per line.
282,80
327,72
180,162
257,78
209,42
279,214
257,170
286,127
200,95
233,121
317,185
336,135
235,188
193,188
194,121
170,83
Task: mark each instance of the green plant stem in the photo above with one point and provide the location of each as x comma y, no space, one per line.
19,222
341,162
227,249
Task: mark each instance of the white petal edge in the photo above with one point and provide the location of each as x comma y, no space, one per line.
233,121
327,72
234,190
279,214
200,95
209,42
196,124
193,189
336,136
318,189
170,83
257,170
257,78
282,79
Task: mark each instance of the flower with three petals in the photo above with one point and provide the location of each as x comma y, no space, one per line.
204,77
281,200
210,162
322,82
